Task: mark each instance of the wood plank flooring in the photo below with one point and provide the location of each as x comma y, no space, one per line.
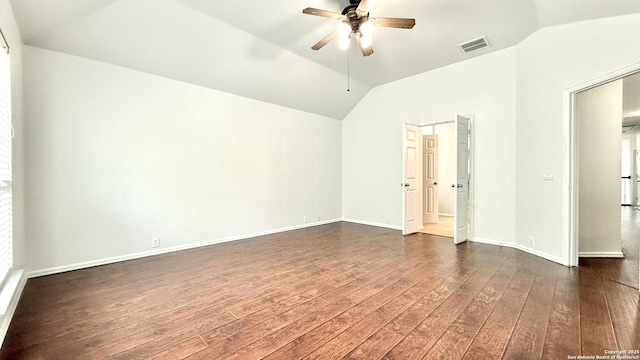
623,271
334,291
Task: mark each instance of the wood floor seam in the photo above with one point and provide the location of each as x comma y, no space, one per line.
615,338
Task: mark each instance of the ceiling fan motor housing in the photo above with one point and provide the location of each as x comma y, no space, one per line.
352,17
350,9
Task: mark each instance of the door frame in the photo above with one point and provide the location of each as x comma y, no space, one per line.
471,118
570,219
634,176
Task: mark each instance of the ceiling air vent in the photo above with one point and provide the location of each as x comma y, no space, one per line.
474,44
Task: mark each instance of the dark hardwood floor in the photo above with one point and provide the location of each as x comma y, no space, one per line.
624,271
341,290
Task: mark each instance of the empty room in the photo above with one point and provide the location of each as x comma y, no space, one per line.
193,179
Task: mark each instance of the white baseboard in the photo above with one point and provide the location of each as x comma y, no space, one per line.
493,242
601,254
475,239
115,259
521,247
387,226
448,215
11,293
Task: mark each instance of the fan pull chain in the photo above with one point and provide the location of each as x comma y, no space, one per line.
348,74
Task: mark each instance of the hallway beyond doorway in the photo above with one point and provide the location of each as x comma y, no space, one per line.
624,270
444,227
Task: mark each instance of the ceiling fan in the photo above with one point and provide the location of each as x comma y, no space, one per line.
355,20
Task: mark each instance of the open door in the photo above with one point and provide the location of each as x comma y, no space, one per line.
412,180
636,171
430,210
461,220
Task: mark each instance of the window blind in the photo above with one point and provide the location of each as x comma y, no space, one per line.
6,238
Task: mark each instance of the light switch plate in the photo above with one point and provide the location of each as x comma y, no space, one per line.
549,175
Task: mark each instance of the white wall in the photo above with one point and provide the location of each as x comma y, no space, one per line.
116,157
517,98
598,123
12,35
549,62
446,167
372,140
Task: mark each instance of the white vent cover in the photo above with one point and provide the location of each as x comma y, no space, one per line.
474,44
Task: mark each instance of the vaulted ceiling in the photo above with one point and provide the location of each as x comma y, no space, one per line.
261,48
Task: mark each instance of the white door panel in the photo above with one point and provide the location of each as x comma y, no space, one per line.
430,149
461,220
412,179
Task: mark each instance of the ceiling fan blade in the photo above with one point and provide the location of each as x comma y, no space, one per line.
325,41
323,13
364,6
399,23
366,51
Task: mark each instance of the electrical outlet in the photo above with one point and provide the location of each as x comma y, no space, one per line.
388,220
155,242
532,241
304,220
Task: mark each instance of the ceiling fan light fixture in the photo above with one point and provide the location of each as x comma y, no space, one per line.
344,30
367,28
355,20
343,43
366,41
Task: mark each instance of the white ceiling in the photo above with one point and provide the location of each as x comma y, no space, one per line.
261,49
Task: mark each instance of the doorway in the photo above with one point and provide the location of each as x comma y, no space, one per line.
602,118
438,174
413,200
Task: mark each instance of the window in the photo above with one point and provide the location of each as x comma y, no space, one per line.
6,252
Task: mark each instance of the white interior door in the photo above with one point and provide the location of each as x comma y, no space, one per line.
430,210
636,172
461,220
412,179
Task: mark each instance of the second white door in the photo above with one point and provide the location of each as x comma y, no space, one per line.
431,199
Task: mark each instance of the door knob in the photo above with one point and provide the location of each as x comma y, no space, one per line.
405,185
459,186
435,183
453,185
